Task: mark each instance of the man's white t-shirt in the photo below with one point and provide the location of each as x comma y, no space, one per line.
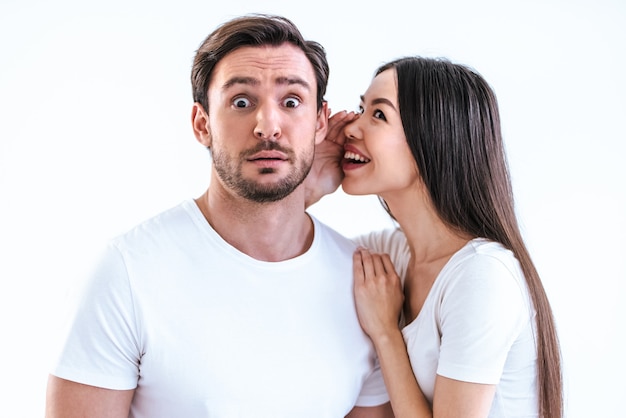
199,329
477,323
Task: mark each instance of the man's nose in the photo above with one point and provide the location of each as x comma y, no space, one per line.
268,123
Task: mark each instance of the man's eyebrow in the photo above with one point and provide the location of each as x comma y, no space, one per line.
380,100
251,81
293,80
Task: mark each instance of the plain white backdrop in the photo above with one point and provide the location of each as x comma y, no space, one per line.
95,136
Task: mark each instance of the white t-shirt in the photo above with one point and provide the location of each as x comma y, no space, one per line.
477,323
202,330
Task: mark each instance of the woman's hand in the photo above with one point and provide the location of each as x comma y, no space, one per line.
378,293
326,173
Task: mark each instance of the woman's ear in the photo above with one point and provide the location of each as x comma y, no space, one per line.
200,124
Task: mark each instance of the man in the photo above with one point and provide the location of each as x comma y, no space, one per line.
238,303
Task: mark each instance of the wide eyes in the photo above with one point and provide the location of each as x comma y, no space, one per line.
241,102
291,102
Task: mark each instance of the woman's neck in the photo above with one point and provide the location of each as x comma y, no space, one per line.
428,236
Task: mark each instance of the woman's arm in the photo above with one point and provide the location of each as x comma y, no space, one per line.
454,398
66,399
380,411
406,397
379,298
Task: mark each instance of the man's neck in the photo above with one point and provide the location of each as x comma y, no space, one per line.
274,231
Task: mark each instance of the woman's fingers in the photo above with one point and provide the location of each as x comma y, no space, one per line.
390,270
374,265
378,266
336,124
357,261
368,264
377,292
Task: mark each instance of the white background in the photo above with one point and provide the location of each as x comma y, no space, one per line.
95,136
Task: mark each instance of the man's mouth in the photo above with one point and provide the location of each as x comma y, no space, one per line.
269,155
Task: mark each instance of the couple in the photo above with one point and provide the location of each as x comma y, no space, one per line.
240,304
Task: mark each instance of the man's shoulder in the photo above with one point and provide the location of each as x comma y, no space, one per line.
324,231
167,222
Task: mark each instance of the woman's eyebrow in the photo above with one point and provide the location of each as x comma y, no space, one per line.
379,100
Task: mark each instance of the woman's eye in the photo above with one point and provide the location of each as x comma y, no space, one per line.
291,102
360,110
241,102
379,115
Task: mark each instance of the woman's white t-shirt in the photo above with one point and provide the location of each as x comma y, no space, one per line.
477,323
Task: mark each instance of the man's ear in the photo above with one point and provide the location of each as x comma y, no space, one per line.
321,127
200,124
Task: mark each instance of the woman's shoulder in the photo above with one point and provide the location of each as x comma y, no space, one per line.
484,266
481,253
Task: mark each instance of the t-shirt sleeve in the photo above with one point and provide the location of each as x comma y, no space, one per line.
482,312
101,345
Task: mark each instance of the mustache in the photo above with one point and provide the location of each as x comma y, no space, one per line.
267,146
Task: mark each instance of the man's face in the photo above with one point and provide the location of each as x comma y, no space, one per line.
263,122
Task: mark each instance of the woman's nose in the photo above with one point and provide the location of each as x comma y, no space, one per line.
351,130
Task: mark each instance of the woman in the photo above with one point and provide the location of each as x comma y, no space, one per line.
477,336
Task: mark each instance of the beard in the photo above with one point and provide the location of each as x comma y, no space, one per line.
230,172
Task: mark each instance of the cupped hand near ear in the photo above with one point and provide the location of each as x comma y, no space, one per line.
326,173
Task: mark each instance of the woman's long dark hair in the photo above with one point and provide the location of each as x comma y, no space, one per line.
451,122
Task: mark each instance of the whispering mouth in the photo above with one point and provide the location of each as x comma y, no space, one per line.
355,158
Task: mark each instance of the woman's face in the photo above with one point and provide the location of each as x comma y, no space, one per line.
377,157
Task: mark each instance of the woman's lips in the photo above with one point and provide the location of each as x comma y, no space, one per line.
353,158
